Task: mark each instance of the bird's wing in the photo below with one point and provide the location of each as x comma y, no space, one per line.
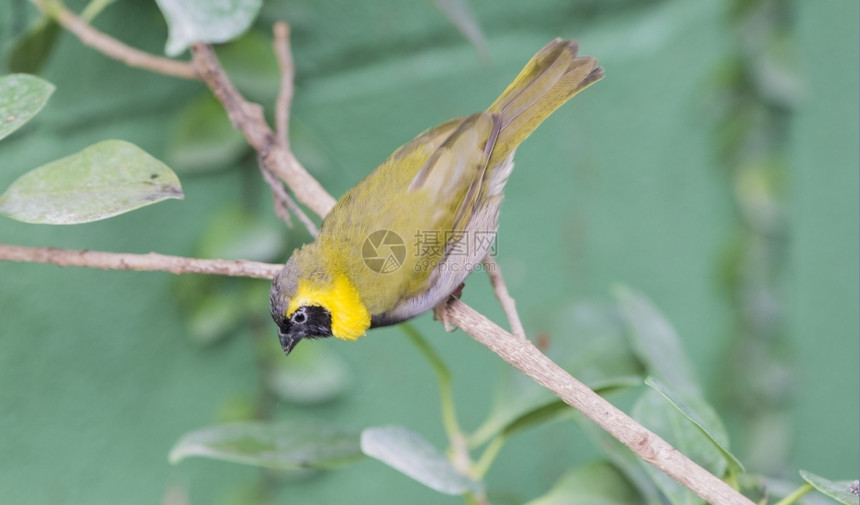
453,174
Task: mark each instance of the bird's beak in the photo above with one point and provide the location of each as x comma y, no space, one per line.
288,342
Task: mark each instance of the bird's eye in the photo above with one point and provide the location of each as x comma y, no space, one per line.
299,316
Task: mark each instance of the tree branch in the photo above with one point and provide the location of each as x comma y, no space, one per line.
285,93
528,359
145,262
248,118
112,47
507,302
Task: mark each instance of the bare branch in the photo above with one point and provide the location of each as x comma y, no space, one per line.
146,262
507,302
285,94
525,357
112,47
248,118
284,204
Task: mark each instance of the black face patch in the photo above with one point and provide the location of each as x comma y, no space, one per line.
306,322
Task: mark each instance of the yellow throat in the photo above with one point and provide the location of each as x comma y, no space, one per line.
349,317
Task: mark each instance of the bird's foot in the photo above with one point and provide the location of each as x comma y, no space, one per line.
440,312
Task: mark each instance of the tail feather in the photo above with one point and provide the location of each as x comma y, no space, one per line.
549,79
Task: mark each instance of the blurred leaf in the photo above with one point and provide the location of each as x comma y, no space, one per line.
191,21
29,53
215,316
652,411
625,461
106,179
656,343
202,139
459,13
593,484
215,307
408,453
591,344
314,374
22,96
840,491
515,396
697,410
238,408
235,233
31,50
535,416
283,445
553,408
250,61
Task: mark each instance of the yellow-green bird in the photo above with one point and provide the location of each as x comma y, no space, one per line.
405,238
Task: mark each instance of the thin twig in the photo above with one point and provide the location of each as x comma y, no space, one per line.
293,207
145,262
279,195
509,305
112,47
527,358
248,118
284,203
285,93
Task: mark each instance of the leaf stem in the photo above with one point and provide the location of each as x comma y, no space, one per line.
489,455
110,46
94,8
443,376
796,494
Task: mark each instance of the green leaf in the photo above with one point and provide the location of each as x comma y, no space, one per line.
408,453
202,139
515,396
535,416
103,180
656,343
191,21
29,53
594,484
652,411
843,491
236,233
588,341
554,408
697,410
215,316
250,61
21,97
283,445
